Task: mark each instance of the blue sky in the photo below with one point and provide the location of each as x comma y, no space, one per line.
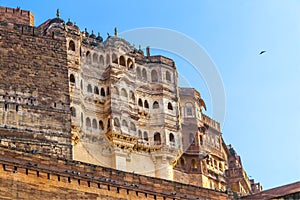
262,91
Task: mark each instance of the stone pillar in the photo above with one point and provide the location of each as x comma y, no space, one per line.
164,170
164,160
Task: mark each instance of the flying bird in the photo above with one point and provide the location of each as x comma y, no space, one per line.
262,52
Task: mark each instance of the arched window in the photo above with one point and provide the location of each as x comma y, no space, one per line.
131,96
73,112
107,91
146,136
157,138
189,109
108,123
5,107
88,56
89,88
95,58
116,122
81,119
132,126
215,164
107,59
101,125
140,102
220,167
72,78
194,164
122,61
114,58
207,161
124,123
201,139
155,105
168,76
123,93
71,45
182,162
192,138
96,90
88,122
94,123
101,60
146,105
140,134
170,107
138,72
154,76
171,138
129,63
144,74
81,85
102,92
116,90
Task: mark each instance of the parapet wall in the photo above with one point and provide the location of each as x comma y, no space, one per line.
16,16
31,176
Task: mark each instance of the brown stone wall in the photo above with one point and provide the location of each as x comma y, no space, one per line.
17,16
34,93
34,176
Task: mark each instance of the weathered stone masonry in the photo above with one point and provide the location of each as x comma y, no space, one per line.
71,102
34,90
34,176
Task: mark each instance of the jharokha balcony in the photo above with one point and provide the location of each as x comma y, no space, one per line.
210,122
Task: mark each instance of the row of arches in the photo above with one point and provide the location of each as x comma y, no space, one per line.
91,123
142,74
215,164
155,104
143,134
95,58
209,162
140,102
131,126
11,106
94,123
96,90
193,163
123,61
90,88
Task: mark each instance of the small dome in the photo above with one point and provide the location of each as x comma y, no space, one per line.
75,26
93,35
57,20
99,38
69,23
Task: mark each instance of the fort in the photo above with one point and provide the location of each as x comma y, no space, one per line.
83,117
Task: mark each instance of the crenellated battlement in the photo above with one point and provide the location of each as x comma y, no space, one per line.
16,16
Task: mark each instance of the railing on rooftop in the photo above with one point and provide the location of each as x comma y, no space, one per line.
212,123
